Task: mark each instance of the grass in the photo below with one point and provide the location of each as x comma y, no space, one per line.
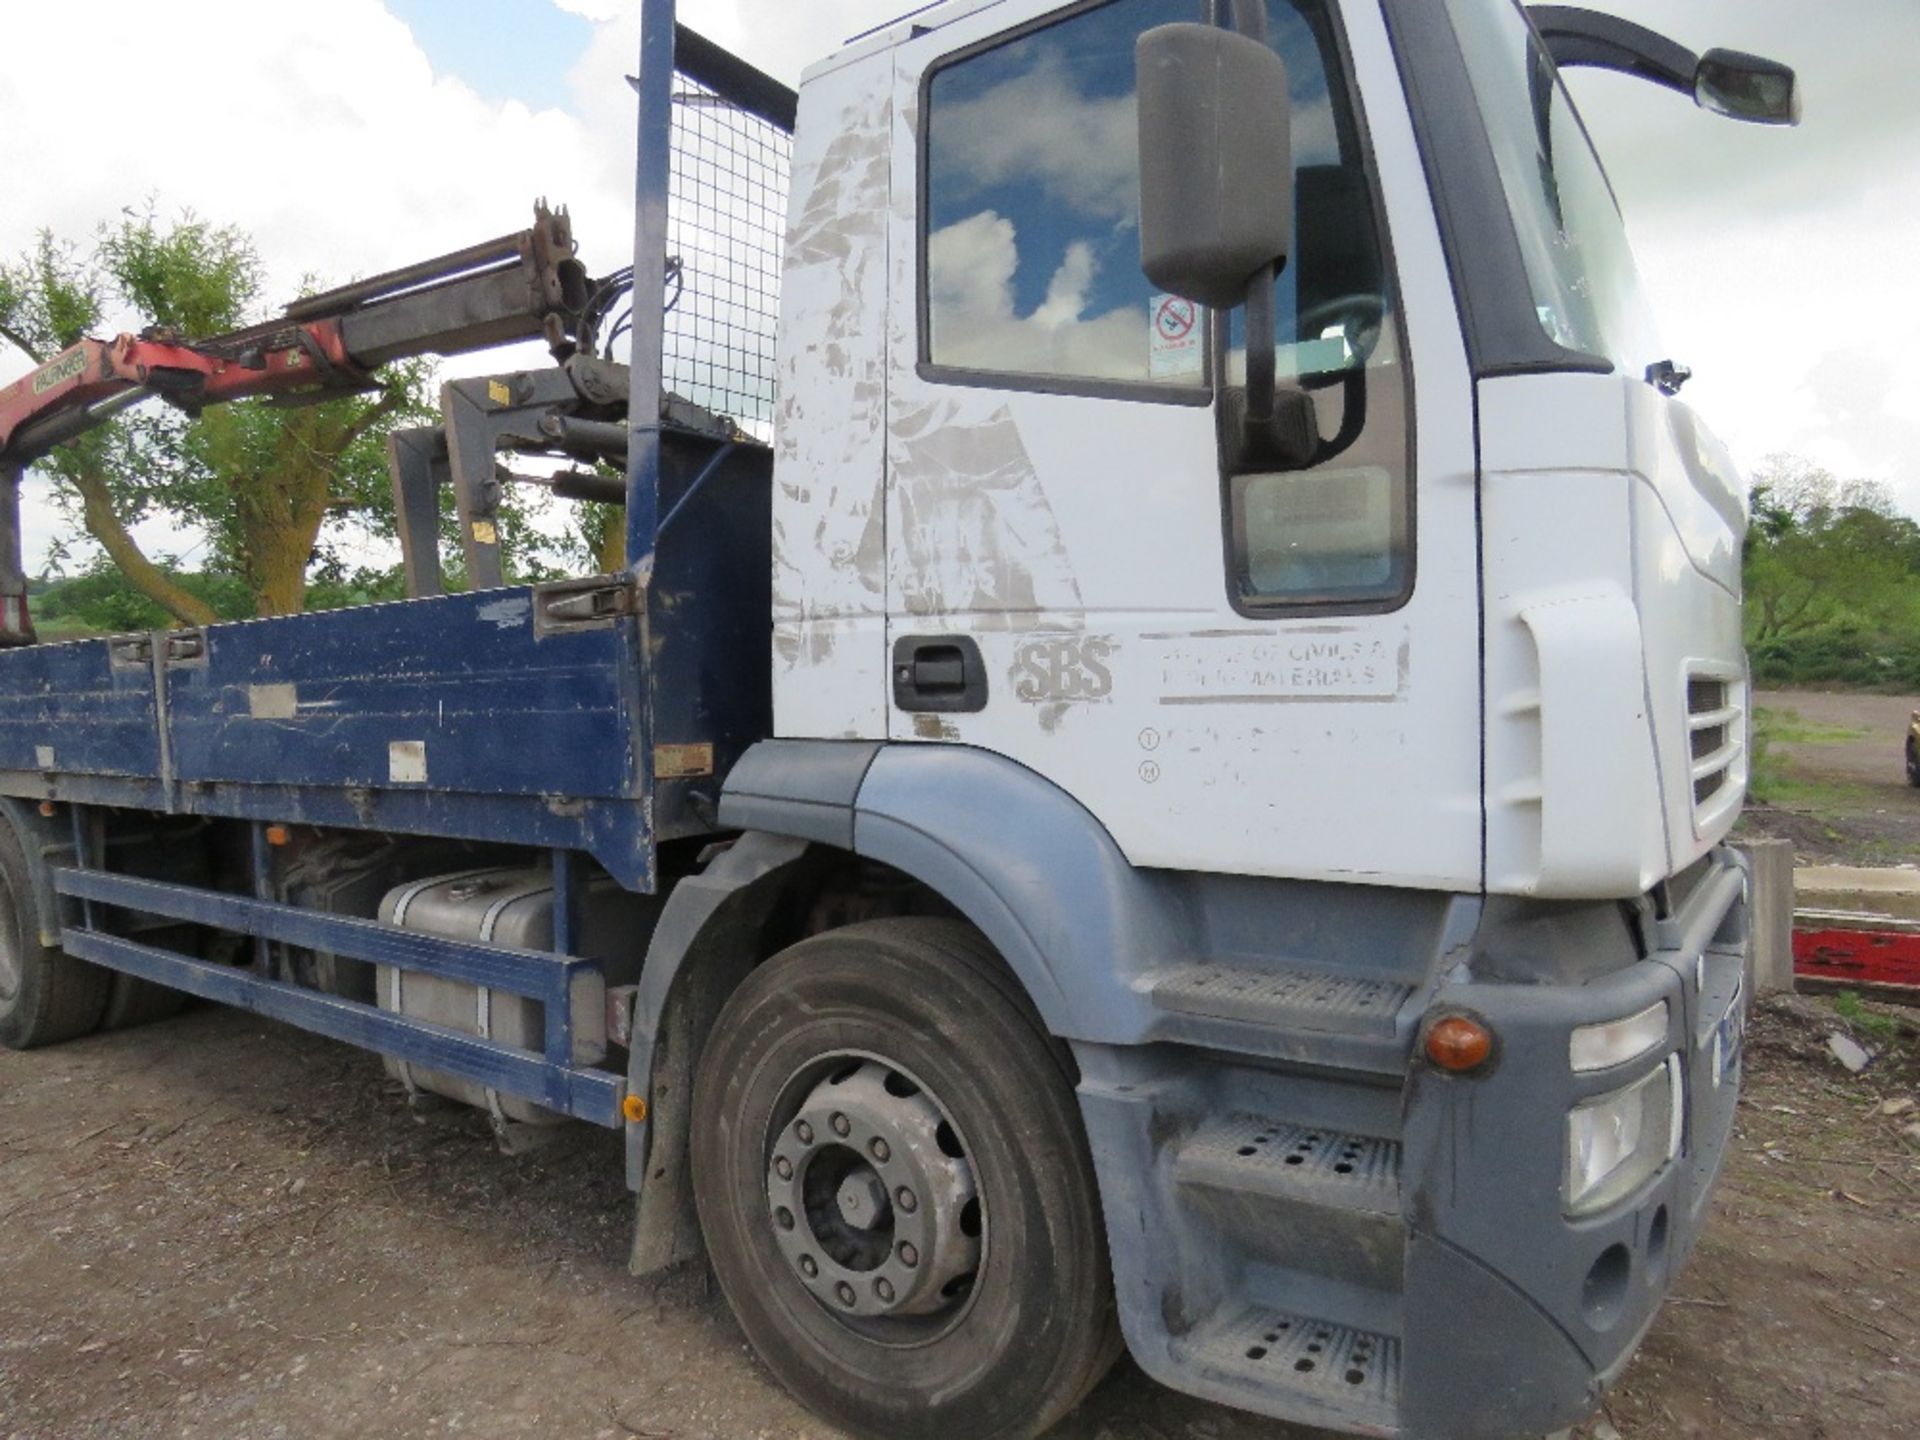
1780,785
1851,1008
1775,780
1787,728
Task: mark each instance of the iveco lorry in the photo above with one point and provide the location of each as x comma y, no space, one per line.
1157,774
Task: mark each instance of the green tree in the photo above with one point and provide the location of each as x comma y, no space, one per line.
260,482
1826,553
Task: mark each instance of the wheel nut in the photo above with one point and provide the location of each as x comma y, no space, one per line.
783,1167
808,1268
880,1151
908,1201
845,1292
783,1217
841,1126
909,1256
805,1132
884,1290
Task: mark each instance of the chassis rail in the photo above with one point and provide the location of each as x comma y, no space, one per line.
558,981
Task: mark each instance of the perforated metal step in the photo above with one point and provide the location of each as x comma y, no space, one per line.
1333,1373
1290,999
1300,1162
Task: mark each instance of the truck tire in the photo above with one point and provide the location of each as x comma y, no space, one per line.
45,996
895,1189
132,1002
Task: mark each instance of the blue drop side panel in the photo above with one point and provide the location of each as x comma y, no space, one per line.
500,711
97,718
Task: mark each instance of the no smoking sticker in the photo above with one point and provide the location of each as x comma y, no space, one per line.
1174,343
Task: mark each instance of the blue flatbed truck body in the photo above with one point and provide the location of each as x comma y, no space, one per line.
574,719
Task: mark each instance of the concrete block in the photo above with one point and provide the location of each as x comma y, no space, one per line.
1772,916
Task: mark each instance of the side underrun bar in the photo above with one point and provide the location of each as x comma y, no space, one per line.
559,982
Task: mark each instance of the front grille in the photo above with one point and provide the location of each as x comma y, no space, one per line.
1715,735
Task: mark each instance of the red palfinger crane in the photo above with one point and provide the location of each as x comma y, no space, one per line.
523,286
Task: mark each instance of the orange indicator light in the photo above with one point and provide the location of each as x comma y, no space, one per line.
1459,1044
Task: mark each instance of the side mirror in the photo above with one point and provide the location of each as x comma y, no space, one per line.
1216,162
1747,87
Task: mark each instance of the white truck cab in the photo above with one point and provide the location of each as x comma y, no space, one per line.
1338,736
1229,856
1495,582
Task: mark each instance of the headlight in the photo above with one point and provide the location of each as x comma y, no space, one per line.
1615,1143
1601,1047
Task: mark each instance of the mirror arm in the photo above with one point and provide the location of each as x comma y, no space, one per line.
1263,354
1269,428
1576,36
1249,17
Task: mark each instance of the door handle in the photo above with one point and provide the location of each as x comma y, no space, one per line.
939,675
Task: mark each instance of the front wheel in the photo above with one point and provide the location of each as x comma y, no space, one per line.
895,1189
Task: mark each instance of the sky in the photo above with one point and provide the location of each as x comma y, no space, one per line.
357,135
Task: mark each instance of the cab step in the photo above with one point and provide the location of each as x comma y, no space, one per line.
1321,1373
1285,999
1305,1198
1279,1160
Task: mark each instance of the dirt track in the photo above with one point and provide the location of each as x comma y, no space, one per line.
1875,759
219,1228
1851,803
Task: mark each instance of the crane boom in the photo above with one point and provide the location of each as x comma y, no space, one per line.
518,287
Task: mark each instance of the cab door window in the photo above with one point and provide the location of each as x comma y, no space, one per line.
1031,278
1032,213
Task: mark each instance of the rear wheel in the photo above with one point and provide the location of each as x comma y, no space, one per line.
895,1189
132,1002
45,996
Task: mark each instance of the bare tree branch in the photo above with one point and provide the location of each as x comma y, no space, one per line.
18,341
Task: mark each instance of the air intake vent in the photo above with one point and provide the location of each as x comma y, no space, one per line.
1716,734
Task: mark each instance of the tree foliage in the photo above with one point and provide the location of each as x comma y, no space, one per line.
1832,580
267,487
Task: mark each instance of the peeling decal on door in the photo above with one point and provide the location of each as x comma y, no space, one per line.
977,534
829,548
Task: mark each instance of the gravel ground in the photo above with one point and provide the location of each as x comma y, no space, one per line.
220,1228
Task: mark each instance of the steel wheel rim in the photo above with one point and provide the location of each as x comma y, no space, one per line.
873,1201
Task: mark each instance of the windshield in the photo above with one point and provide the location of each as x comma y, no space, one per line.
1586,290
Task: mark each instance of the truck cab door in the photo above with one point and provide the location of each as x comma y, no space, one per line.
1259,673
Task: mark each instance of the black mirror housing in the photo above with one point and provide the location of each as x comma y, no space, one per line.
1216,161
1747,87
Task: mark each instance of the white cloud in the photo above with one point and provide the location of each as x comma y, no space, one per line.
595,10
323,131
971,267
1090,162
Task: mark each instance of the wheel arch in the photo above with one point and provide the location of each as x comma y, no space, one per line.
1008,851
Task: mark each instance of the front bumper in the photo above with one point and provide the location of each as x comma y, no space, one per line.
1518,1316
